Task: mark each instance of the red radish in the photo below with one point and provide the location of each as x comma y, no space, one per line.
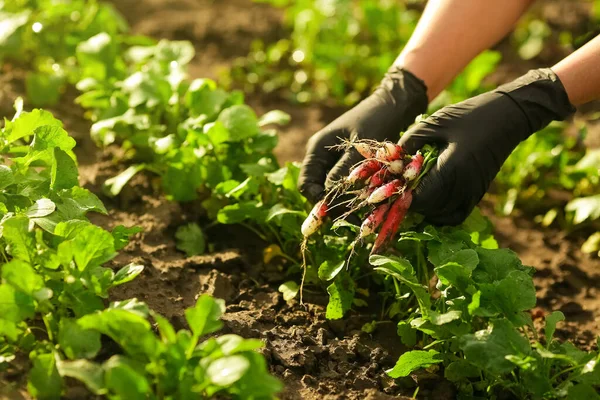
389,152
413,169
364,149
396,167
378,178
392,222
373,220
363,171
315,219
385,191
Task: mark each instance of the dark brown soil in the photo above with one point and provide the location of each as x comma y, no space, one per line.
315,358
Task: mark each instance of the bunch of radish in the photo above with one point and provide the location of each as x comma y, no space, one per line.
382,184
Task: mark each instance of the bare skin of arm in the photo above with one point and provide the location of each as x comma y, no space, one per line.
580,73
451,33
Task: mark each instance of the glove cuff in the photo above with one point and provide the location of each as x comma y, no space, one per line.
406,91
541,96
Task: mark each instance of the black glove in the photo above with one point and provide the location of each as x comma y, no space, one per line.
476,137
395,104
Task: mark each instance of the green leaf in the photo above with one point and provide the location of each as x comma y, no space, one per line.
70,229
289,290
125,380
49,137
261,168
582,391
495,265
226,371
127,274
132,305
407,334
6,176
592,244
403,271
22,276
398,264
115,184
216,132
64,173
488,349
233,344
203,98
329,270
467,258
87,372
44,381
165,328
92,246
77,342
130,330
77,202
454,274
204,317
413,360
28,122
277,117
511,295
15,306
181,51
15,231
279,209
341,295
584,208
41,208
240,121
190,239
239,212
121,235
551,321
459,370
444,318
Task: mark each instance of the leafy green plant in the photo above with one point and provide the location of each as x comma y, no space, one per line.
463,303
339,50
41,34
54,286
185,364
192,134
546,163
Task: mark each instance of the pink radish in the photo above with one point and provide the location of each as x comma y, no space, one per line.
373,220
363,171
413,169
315,219
364,149
385,191
396,167
378,178
392,222
389,152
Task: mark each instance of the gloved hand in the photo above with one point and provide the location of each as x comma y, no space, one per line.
395,104
476,137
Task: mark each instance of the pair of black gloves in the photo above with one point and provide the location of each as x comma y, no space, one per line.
475,137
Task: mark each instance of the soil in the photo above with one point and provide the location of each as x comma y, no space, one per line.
315,358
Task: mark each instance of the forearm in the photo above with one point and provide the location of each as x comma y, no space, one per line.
580,73
451,33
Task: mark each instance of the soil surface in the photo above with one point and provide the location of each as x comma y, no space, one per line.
315,358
